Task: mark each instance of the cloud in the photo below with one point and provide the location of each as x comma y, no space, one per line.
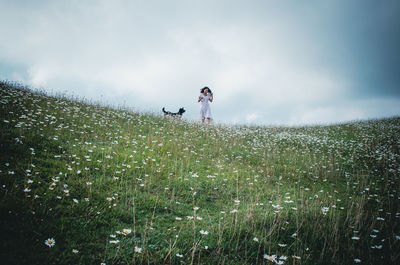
266,63
346,110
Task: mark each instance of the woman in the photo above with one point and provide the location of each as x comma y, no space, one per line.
205,111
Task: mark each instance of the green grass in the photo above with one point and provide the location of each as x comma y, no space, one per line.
80,173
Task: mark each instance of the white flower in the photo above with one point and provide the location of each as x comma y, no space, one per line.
50,242
271,258
126,231
203,232
138,250
357,260
325,210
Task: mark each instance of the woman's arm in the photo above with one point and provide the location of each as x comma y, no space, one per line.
200,98
211,98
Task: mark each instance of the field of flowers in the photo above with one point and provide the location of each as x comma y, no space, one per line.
81,183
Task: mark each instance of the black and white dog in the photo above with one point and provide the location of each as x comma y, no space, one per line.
179,113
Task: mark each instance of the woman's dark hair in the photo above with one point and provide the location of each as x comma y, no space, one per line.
204,88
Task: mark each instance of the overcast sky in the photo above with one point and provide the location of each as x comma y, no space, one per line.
267,62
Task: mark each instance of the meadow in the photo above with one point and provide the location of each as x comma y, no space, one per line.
84,183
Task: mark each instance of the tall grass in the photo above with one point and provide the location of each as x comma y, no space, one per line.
117,187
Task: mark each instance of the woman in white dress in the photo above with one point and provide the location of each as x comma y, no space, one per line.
205,96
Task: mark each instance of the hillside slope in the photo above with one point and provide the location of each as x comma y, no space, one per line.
86,184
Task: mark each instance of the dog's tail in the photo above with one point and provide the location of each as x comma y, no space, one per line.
163,109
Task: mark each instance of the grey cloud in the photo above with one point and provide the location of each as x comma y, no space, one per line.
267,61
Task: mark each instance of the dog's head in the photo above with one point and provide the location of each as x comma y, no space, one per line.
181,111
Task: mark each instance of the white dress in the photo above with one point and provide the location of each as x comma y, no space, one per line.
205,111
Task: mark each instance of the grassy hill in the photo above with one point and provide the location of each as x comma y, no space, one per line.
85,184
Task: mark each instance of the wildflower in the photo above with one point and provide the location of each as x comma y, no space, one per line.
109,199
179,255
126,231
282,245
50,242
114,241
203,232
75,251
355,238
27,190
138,250
255,239
178,218
296,257
377,246
234,211
271,258
357,260
75,201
